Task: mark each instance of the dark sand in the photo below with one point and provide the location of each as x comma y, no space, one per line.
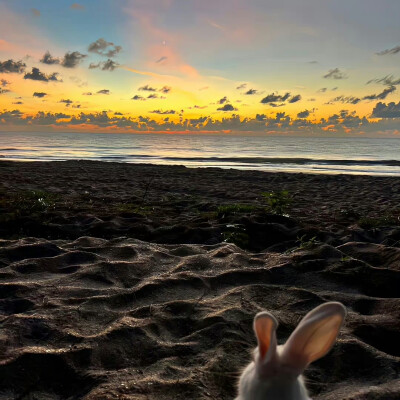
115,282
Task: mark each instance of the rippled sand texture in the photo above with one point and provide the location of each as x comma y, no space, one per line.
124,319
116,283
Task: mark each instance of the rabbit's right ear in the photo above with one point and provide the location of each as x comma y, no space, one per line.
265,326
314,336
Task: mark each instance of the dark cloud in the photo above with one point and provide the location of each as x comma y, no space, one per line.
4,82
118,113
322,90
104,91
345,100
382,95
76,6
383,110
35,12
165,89
11,66
2,91
39,94
108,65
223,100
72,59
18,102
37,75
393,50
161,59
163,112
48,59
335,88
152,96
227,107
137,97
242,86
67,102
87,94
104,48
148,88
335,73
388,80
251,91
303,114
295,99
273,98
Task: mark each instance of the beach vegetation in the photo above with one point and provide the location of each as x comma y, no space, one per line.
26,203
232,209
306,244
132,208
278,202
237,235
378,222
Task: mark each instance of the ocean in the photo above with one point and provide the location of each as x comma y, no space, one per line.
328,155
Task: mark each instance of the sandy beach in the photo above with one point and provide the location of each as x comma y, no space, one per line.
121,281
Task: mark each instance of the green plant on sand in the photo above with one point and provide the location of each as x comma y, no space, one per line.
278,202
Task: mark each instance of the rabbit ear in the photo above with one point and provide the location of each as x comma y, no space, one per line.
314,336
265,326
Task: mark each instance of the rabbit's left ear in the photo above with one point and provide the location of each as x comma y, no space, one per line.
314,336
265,326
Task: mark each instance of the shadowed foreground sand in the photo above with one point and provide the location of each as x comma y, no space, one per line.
114,317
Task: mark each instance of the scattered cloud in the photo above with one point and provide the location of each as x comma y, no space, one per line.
108,65
78,81
11,66
4,82
388,80
273,98
383,110
2,91
322,90
148,88
251,91
163,112
72,59
382,95
152,96
227,107
137,97
303,114
67,102
39,94
242,86
295,99
104,48
37,75
223,100
87,94
393,50
335,73
161,59
104,91
48,59
345,100
77,6
165,89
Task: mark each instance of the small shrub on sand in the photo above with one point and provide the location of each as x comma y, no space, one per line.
131,208
278,202
236,234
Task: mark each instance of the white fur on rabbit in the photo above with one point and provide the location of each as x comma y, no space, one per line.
275,373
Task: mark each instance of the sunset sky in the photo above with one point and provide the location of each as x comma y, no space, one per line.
264,66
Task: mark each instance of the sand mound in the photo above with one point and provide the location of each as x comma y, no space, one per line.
121,318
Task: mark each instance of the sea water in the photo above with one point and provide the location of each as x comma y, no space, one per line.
328,155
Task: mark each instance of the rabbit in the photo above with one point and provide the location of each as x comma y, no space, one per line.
275,372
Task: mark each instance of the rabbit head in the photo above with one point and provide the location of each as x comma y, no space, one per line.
275,373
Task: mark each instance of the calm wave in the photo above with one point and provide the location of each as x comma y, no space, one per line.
268,153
